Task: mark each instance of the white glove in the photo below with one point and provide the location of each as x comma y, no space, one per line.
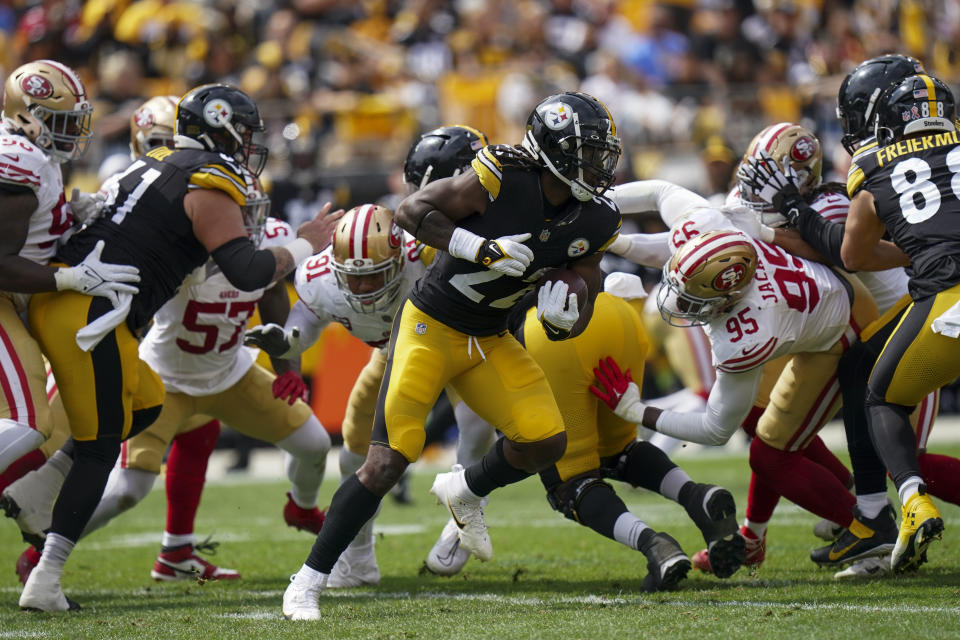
274,340
86,206
556,310
748,222
630,407
505,255
96,278
766,179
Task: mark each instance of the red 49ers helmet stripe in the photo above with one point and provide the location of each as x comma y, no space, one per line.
71,77
361,222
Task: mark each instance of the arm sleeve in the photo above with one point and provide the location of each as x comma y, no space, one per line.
729,403
309,324
648,249
247,268
823,235
672,201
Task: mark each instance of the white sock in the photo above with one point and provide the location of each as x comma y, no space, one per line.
627,530
61,462
307,449
173,540
672,483
309,576
758,528
56,550
871,504
476,436
909,487
125,488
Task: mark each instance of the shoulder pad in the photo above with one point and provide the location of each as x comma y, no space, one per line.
493,159
23,164
864,161
217,171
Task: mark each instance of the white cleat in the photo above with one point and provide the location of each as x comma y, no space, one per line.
466,509
44,593
827,530
873,567
301,600
447,557
30,501
356,567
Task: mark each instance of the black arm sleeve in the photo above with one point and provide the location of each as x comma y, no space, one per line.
247,268
823,235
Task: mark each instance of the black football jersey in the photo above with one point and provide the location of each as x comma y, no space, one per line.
476,300
915,185
145,224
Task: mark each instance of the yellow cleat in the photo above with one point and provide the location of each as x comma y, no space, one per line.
920,525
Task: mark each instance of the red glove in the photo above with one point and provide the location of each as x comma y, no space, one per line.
290,386
613,382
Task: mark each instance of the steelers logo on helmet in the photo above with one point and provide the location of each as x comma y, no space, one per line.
578,247
36,86
217,113
556,115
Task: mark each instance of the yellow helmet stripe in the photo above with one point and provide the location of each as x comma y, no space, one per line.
931,94
476,132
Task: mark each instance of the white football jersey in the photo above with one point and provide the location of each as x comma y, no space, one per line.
791,306
317,288
886,286
24,164
196,341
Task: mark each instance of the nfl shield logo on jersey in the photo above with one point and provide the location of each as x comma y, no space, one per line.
544,235
421,328
578,247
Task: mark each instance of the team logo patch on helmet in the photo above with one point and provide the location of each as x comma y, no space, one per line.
556,115
803,149
395,239
578,247
729,277
144,118
217,112
36,86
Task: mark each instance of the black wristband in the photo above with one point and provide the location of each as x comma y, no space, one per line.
824,236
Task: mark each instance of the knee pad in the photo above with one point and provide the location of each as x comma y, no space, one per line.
537,456
566,497
640,464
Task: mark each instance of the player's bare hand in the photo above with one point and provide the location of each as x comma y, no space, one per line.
319,231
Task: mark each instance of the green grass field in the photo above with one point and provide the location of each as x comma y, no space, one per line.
549,578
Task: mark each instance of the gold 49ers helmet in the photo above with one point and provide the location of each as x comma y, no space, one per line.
368,258
705,277
46,102
801,149
152,125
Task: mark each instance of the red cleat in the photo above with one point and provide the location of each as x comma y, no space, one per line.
182,563
302,519
756,552
26,562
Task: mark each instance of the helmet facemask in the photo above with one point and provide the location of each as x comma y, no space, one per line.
64,135
679,308
255,211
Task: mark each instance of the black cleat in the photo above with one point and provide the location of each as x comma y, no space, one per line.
864,538
667,564
714,511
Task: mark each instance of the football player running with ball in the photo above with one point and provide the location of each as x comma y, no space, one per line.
518,212
174,209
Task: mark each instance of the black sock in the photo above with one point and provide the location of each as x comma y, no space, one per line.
599,509
352,505
492,471
644,540
686,495
646,466
83,486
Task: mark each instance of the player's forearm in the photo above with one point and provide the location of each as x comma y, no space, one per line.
729,403
648,249
20,275
670,200
425,222
824,236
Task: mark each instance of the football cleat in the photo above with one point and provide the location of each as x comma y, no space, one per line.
356,567
873,567
182,563
920,525
865,537
302,519
466,509
667,564
447,557
827,530
30,501
43,592
715,514
26,562
755,548
301,600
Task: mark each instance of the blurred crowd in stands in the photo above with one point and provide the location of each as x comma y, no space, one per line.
345,85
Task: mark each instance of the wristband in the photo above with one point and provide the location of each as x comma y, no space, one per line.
300,249
767,234
65,278
464,244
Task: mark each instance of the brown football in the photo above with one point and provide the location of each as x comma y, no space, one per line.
575,283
